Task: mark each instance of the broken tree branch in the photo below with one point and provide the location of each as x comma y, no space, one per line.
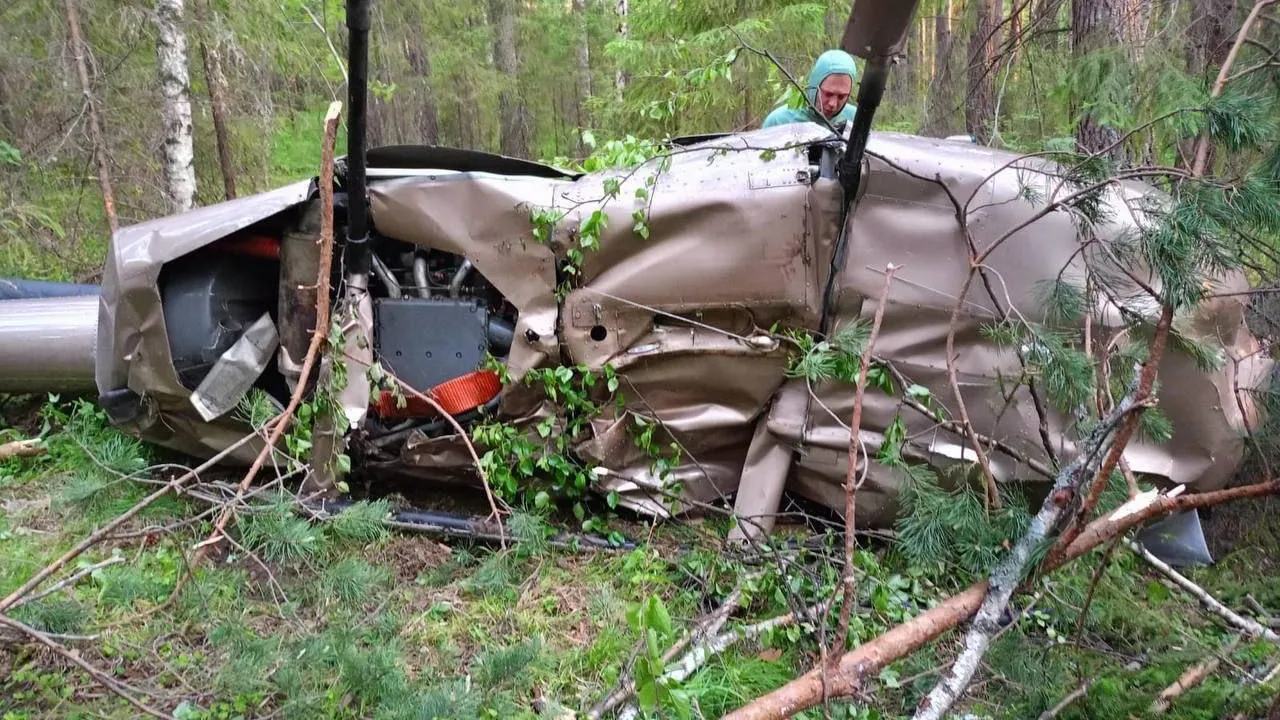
850,482
318,334
104,679
1054,510
1191,678
1128,425
1250,628
698,656
21,448
496,514
67,582
869,658
110,527
706,629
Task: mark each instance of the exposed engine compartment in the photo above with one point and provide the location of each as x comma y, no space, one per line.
436,322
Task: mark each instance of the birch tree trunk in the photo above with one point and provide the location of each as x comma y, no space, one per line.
95,124
583,94
175,88
514,123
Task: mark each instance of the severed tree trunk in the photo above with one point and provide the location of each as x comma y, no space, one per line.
621,78
218,101
1095,24
175,87
95,123
939,105
514,123
980,110
583,94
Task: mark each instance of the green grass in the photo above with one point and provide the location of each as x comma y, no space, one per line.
350,620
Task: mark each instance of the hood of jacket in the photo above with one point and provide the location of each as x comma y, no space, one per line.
831,62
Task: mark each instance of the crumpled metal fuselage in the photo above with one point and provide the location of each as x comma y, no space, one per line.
741,234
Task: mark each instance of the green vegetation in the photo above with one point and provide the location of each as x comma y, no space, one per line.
345,618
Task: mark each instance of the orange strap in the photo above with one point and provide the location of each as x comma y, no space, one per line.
458,395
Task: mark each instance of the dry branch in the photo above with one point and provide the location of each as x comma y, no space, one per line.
496,516
1189,679
1065,702
21,448
698,656
709,628
1250,628
67,582
109,528
318,334
851,484
869,658
106,680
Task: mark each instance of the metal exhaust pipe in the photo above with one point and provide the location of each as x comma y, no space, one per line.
47,344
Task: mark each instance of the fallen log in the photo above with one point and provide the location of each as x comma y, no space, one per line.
21,448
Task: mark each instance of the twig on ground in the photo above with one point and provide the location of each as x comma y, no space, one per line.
67,581
1093,588
106,680
1076,694
110,527
1271,675
318,334
1065,702
21,448
1250,628
710,627
698,656
1191,678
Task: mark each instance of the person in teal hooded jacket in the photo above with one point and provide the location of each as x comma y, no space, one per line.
829,86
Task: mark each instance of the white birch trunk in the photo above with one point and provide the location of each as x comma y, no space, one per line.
175,88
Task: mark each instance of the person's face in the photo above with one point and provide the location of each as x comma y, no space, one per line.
833,93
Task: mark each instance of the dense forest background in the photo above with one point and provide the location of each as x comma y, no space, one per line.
89,89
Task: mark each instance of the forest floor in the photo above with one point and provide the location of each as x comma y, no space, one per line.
347,619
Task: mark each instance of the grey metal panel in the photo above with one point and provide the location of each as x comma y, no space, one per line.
426,342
